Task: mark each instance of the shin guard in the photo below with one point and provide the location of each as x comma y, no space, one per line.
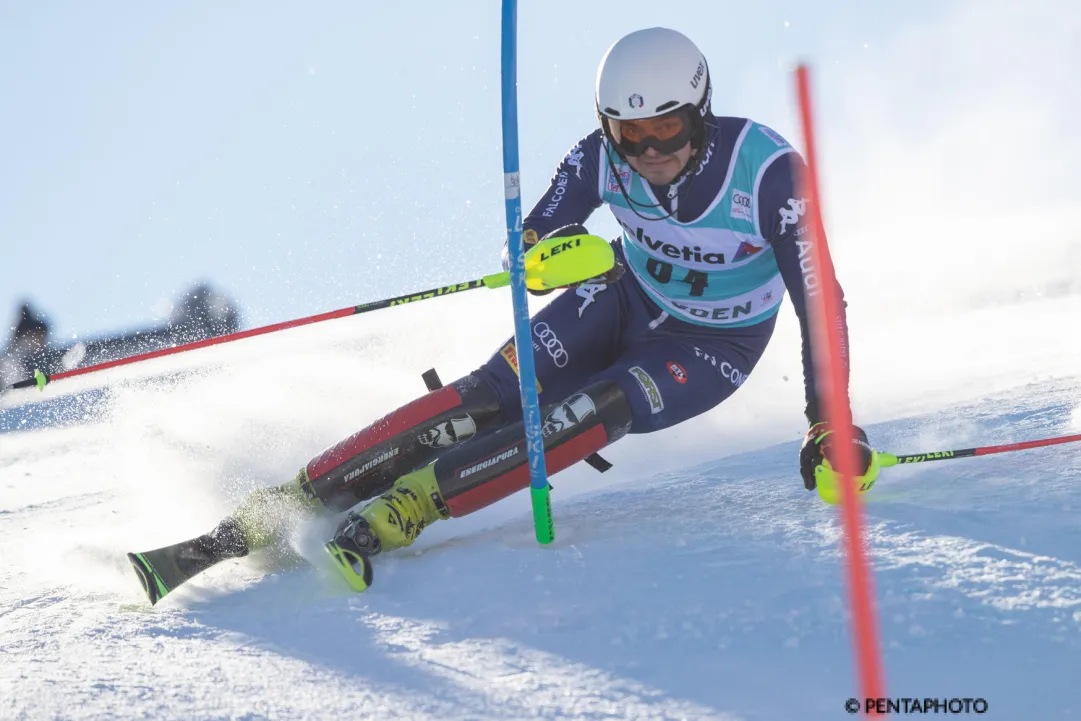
367,463
495,466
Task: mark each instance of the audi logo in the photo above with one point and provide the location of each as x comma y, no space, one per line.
551,344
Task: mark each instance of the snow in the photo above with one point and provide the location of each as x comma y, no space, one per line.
695,580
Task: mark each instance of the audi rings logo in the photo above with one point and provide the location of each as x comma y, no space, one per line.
552,344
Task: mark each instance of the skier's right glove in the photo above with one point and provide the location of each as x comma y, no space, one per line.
529,238
611,276
818,471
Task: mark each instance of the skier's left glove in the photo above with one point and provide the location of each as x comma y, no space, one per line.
817,462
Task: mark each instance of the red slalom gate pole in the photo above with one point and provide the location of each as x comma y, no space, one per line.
825,304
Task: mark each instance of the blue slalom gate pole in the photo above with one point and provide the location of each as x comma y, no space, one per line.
538,476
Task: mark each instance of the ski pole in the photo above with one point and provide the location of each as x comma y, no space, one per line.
551,263
889,459
531,419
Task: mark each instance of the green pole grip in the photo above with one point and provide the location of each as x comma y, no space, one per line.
542,514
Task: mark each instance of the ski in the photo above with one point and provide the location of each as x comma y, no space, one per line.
153,584
162,570
354,568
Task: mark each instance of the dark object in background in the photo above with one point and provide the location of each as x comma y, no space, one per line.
31,325
27,347
201,313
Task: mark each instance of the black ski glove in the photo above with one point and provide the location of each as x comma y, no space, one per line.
818,469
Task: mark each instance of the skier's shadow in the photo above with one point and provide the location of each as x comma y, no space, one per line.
442,622
305,614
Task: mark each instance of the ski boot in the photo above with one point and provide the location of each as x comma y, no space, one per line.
394,520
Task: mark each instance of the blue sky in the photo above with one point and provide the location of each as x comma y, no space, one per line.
311,158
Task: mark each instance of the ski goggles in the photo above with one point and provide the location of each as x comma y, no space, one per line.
665,133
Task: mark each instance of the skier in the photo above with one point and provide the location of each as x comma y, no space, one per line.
713,238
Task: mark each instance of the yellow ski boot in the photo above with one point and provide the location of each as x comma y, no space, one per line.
394,520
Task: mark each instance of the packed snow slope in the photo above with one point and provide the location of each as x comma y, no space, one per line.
697,579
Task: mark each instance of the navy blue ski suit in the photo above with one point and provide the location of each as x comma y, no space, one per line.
670,368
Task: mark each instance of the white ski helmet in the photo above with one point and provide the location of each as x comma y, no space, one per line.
649,73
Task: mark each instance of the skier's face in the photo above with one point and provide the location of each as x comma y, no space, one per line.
661,168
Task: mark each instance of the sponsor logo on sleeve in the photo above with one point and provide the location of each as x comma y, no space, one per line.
574,159
807,268
741,206
557,196
649,387
792,214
